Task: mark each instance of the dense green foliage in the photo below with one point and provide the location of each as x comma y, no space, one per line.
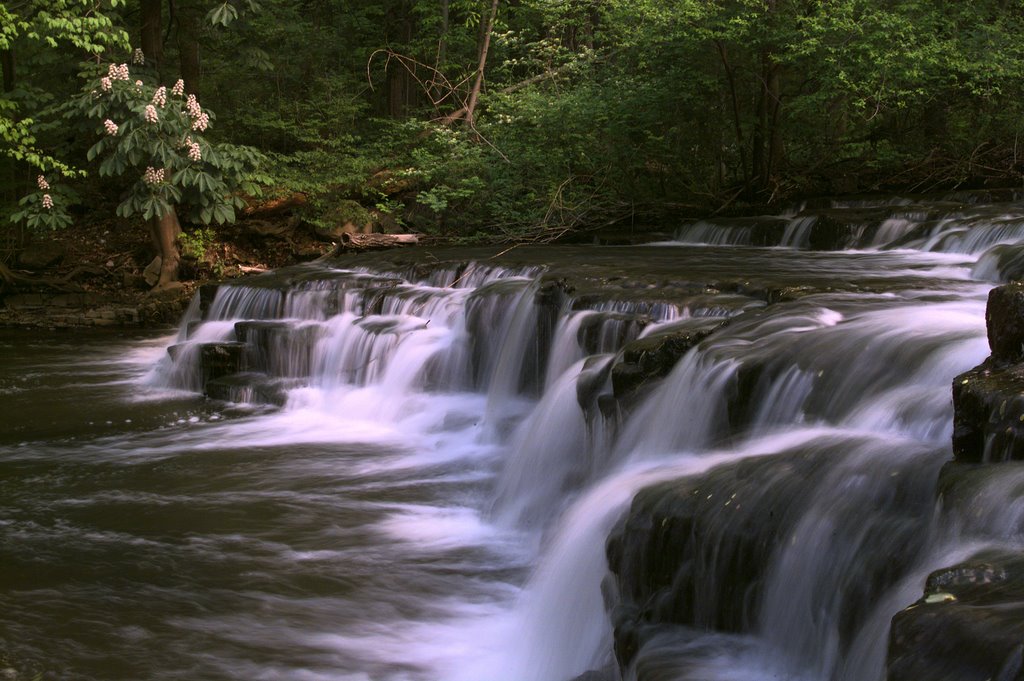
590,111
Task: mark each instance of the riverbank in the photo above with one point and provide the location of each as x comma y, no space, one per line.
95,274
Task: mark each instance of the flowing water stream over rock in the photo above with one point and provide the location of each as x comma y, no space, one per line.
714,458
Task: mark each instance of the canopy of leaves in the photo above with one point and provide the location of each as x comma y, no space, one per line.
591,111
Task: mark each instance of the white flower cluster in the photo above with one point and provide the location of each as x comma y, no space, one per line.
116,72
43,184
151,115
110,126
160,97
200,120
105,84
47,201
138,57
194,152
138,85
179,88
153,176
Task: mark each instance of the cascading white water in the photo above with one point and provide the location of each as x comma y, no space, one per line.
842,363
432,497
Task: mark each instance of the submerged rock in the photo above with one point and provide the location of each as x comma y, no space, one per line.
702,551
249,388
653,357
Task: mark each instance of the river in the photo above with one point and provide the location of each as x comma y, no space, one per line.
419,471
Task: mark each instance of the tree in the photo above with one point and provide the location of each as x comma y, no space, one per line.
156,137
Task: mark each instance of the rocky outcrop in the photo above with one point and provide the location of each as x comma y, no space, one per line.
215,360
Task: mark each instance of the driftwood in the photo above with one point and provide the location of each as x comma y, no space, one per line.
369,242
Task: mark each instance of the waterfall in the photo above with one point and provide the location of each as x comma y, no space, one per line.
721,465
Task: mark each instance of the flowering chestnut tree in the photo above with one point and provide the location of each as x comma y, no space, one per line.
155,138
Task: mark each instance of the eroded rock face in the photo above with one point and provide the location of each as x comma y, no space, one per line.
968,625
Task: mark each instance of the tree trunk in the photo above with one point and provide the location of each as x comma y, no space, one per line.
188,46
442,49
741,145
357,242
399,80
774,90
7,59
767,143
474,94
165,232
151,40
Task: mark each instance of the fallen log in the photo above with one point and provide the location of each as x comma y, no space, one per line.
368,242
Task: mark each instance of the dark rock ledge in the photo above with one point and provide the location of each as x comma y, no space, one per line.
969,623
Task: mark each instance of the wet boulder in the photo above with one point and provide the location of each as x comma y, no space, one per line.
713,551
968,625
207,294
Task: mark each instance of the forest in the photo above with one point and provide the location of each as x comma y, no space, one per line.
498,120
